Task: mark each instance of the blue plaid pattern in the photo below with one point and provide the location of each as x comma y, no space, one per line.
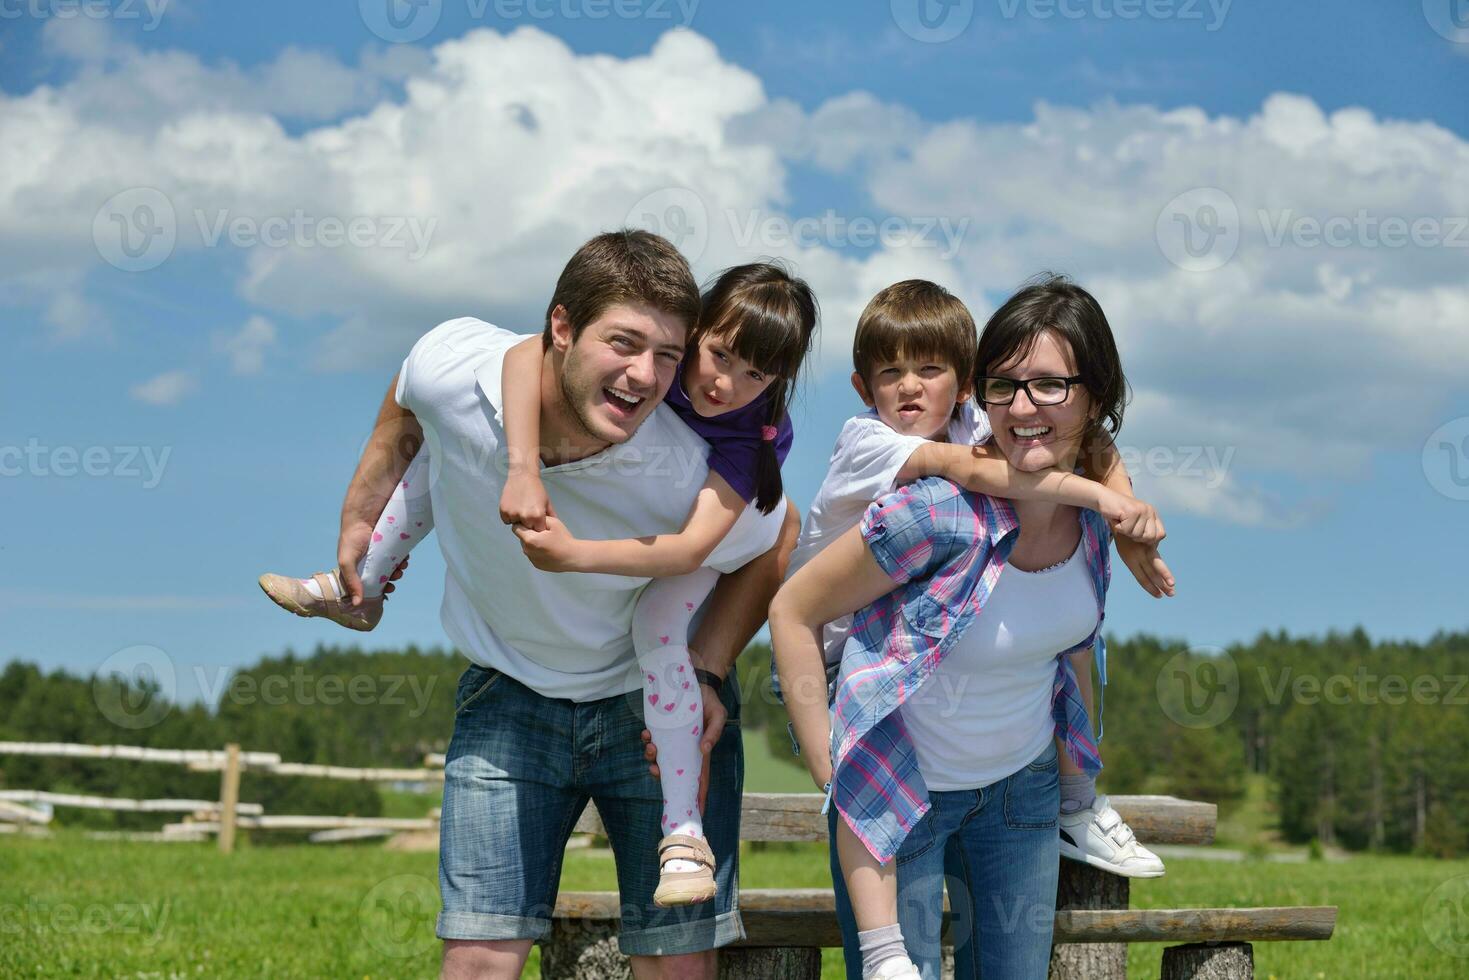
945,548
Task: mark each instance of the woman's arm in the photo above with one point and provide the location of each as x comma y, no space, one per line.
524,500
842,578
715,511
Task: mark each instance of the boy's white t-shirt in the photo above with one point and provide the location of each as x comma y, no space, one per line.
864,466
567,634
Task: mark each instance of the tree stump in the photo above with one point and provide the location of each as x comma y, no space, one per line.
1082,886
763,964
587,950
1209,961
579,948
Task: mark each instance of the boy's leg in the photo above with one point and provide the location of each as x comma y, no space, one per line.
1081,663
1091,830
510,803
873,891
630,801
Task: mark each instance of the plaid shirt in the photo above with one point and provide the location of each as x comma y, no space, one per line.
945,547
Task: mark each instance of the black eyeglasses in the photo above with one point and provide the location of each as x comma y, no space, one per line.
1040,391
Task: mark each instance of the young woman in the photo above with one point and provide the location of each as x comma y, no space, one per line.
939,747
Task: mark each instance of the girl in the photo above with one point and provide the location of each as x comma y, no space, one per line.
984,599
755,328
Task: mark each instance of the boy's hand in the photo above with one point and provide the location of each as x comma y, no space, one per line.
1147,566
524,501
551,550
715,716
1130,518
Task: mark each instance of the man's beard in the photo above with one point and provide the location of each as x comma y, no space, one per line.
578,396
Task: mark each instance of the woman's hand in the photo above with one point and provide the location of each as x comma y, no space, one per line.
1129,517
551,550
1147,566
524,501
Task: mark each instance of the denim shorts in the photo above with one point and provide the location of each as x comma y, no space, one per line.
520,770
998,850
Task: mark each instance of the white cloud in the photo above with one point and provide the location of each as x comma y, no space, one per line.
246,348
166,389
504,152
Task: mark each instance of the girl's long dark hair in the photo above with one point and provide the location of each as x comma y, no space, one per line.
768,317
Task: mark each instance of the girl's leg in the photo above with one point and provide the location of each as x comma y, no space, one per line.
406,520
672,703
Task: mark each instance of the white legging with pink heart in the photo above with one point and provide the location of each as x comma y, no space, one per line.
672,704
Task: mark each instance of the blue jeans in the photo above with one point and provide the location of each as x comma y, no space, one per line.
520,770
999,850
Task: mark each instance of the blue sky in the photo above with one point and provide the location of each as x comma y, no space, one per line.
1303,400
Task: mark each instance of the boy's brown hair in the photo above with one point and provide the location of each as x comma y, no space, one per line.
624,267
916,318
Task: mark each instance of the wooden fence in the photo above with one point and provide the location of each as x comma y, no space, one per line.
221,817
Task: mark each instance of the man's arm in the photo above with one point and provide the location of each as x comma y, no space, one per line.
395,440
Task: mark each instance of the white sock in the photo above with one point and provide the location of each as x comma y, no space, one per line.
315,589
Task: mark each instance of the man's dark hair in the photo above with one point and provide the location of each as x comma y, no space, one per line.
624,267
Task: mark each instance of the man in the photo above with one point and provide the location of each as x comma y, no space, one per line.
549,713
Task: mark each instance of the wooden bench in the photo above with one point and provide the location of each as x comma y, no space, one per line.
786,929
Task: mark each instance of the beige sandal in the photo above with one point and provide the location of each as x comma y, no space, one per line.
293,596
684,887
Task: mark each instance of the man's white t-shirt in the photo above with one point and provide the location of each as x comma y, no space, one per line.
568,634
864,466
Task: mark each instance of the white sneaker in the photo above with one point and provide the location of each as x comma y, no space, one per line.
897,968
1097,836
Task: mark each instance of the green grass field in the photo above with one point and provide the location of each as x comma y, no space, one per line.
82,908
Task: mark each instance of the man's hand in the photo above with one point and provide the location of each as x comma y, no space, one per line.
553,550
524,501
350,548
715,716
1147,566
1130,518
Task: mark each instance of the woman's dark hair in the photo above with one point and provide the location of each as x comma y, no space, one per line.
1055,303
768,317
